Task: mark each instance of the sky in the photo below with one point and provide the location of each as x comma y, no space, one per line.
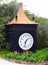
38,7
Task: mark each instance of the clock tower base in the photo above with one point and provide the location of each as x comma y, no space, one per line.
13,32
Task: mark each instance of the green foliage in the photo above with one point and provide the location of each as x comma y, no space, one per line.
10,55
42,33
3,53
6,14
39,56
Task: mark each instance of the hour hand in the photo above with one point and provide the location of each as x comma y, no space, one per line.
26,41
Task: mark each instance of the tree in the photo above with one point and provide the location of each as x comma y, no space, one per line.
6,14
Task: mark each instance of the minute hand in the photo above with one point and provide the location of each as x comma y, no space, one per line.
26,40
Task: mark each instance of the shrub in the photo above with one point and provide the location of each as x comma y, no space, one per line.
21,56
39,56
3,53
10,55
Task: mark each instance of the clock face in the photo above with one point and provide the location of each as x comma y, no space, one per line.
25,41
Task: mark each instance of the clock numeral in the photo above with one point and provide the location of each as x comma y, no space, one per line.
25,46
25,35
21,38
29,43
20,41
21,44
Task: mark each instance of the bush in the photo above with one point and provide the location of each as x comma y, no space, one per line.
10,55
42,34
39,56
3,53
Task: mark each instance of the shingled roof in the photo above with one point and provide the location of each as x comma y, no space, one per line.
21,16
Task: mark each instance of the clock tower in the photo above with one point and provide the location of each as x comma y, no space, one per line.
21,32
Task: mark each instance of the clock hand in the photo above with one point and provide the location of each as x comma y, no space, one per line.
26,40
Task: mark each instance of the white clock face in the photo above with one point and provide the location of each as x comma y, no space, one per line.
25,41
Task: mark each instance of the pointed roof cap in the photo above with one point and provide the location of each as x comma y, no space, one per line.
21,16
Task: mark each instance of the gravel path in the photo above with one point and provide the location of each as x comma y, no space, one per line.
5,62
